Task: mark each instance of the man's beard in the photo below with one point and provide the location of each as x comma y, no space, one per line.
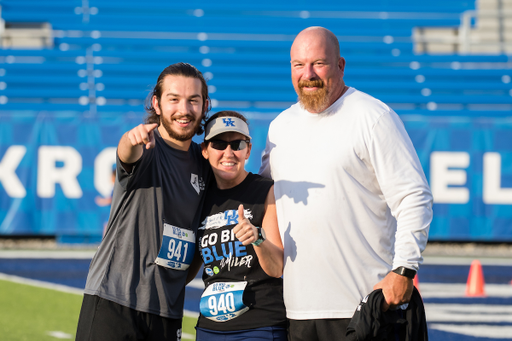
186,134
316,101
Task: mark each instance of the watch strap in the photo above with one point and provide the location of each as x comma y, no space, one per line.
261,237
403,271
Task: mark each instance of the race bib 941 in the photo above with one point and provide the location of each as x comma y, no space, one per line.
178,247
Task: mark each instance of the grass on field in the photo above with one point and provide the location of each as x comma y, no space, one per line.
32,313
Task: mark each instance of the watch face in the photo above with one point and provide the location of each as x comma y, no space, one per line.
261,236
262,232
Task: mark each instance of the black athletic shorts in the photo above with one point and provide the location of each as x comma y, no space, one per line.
104,320
318,330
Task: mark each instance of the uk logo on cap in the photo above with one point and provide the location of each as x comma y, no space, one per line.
228,122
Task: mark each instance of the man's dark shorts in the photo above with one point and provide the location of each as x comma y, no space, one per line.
104,320
318,330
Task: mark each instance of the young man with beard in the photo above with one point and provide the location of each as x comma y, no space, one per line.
136,283
353,203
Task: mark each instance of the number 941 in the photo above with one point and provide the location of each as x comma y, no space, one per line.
175,251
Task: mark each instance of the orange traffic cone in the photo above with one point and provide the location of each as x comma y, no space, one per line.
416,282
475,284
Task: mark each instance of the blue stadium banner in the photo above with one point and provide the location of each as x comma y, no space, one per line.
56,172
468,163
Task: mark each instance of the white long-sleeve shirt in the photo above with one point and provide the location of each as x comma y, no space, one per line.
352,202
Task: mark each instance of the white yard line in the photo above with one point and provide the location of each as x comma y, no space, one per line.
477,320
59,335
63,288
196,283
48,254
41,284
466,260
447,290
475,330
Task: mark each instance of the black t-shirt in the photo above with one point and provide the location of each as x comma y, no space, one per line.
227,260
168,185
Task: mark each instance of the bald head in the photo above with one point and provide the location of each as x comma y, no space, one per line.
319,33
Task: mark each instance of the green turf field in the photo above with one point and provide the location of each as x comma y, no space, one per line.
32,313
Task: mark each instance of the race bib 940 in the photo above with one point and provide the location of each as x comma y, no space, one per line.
223,301
177,250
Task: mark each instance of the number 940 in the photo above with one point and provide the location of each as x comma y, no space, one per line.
225,303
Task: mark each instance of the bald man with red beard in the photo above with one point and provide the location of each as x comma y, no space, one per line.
353,204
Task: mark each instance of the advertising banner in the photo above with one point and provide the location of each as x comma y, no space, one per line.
56,172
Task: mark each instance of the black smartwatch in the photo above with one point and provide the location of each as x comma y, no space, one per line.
403,271
261,236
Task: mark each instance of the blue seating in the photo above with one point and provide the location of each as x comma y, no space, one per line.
243,49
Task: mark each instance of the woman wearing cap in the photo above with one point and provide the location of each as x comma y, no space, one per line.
239,242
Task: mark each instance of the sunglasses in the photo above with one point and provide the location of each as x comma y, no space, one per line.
235,145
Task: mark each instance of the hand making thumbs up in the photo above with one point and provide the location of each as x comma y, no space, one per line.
244,230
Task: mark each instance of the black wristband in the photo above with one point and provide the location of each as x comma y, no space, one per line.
403,271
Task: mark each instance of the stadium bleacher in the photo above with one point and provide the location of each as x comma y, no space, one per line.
108,53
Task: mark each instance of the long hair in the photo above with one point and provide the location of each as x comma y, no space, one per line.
178,69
